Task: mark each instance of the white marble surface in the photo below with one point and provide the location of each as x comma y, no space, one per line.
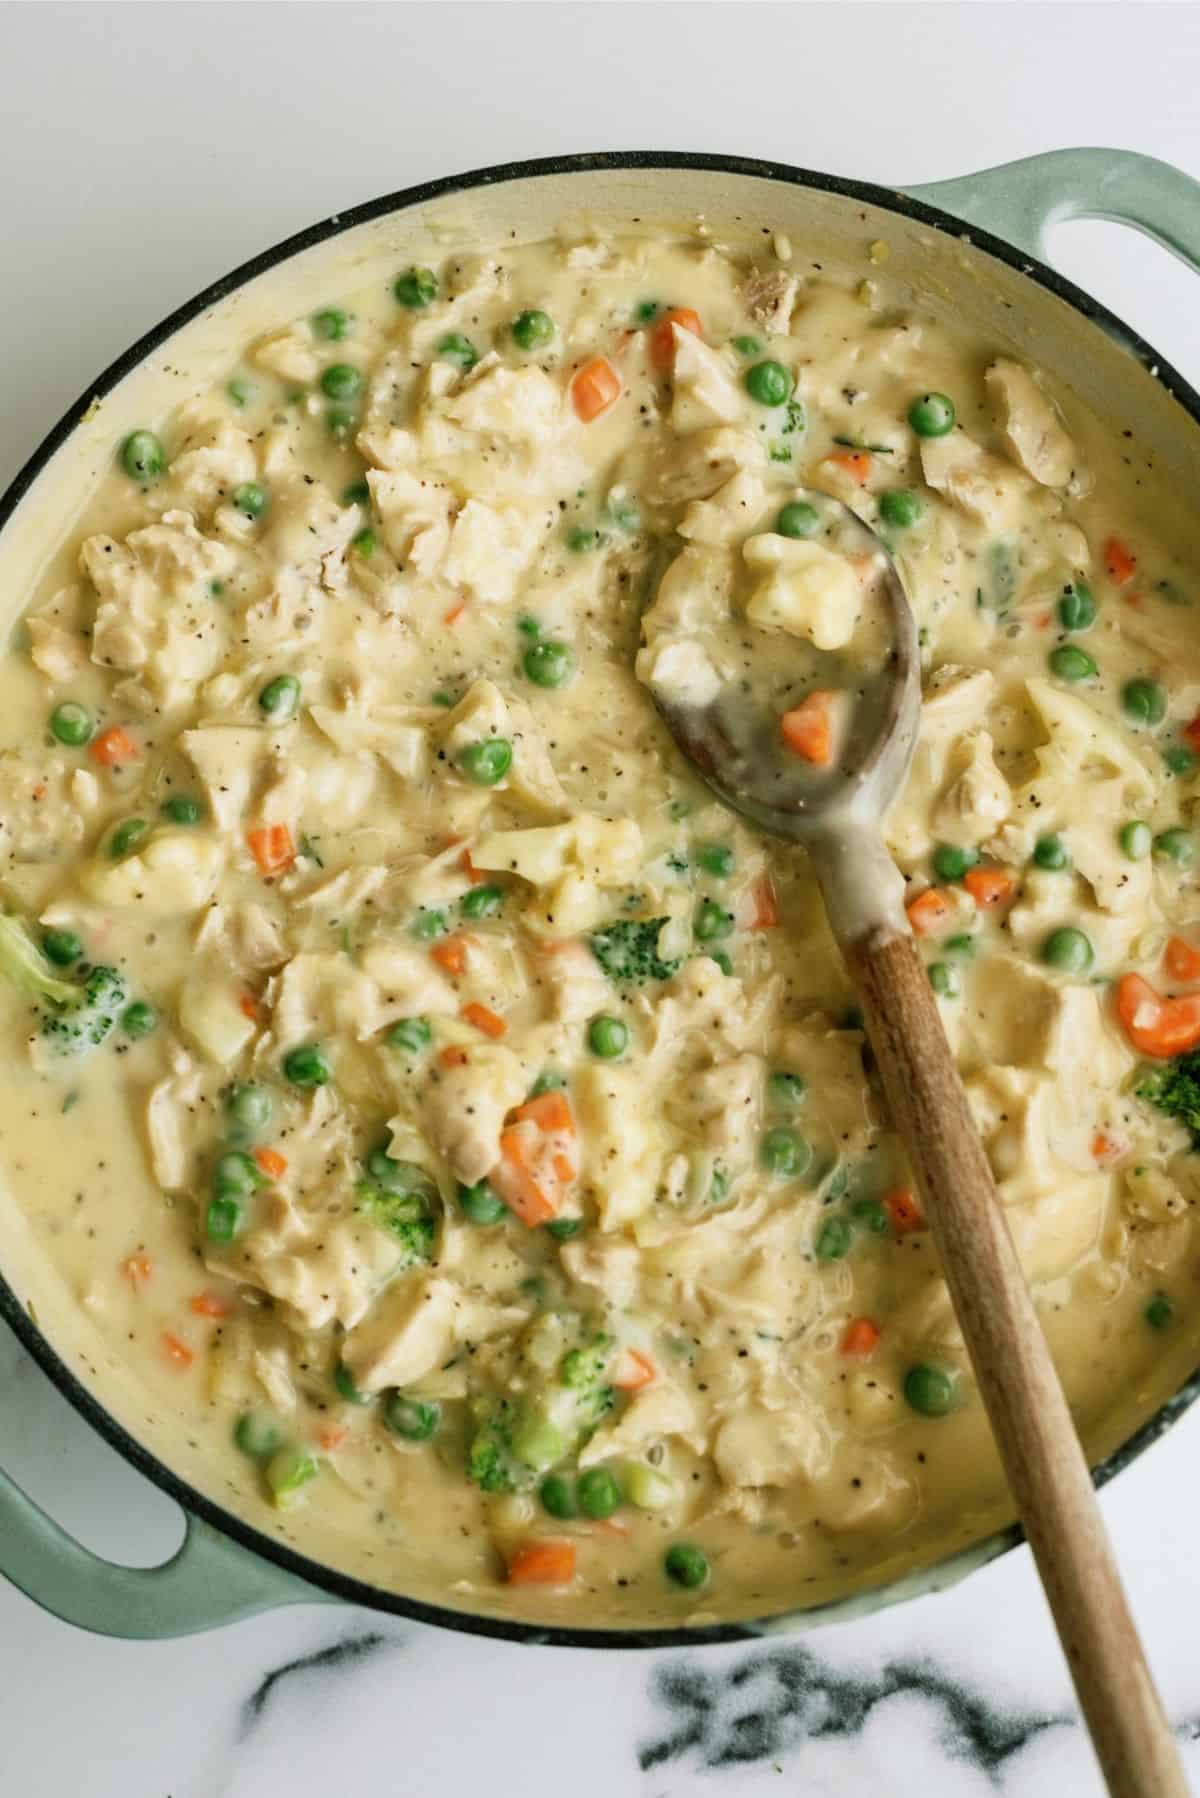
147,149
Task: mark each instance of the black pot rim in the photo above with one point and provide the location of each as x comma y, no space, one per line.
327,1579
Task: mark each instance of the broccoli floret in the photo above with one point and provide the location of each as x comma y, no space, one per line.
490,1463
1175,1089
404,1208
27,967
584,1367
627,950
91,1018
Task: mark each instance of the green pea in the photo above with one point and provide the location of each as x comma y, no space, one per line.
943,978
138,1019
870,1215
932,415
143,456
480,1205
257,1434
930,1390
716,859
341,381
181,808
356,494
557,1494
712,921
901,507
248,1111
488,762
71,724
287,1472
961,945
482,902
1175,845
240,392
343,1379
564,1228
532,330
331,323
548,664
786,1091
456,348
548,1081
1069,950
415,1419
126,837
686,1565
833,1239
528,626
280,698
1180,760
250,499
1077,608
223,1219
608,1037
722,960
1145,701
1160,1312
235,1176
951,862
769,382
1069,662
428,925
645,310
411,1035
415,288
747,346
599,1493
581,538
798,519
62,947
1051,853
1135,839
784,1152
307,1066
364,542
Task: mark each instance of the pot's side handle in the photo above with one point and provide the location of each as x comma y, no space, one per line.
1019,200
207,1582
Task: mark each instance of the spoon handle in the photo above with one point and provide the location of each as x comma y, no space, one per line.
1030,1418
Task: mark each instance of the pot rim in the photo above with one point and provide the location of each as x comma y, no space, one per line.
194,1503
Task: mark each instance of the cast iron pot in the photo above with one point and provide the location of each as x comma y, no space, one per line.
974,245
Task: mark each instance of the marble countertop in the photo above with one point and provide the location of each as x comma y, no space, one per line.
112,115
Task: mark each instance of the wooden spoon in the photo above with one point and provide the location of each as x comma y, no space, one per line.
837,814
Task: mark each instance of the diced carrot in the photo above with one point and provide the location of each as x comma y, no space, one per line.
272,1163
542,1564
1155,1026
485,1019
807,729
114,747
176,1351
476,876
451,954
248,1006
40,791
210,1304
904,1214
1181,961
988,886
1120,563
1043,621
856,463
455,612
331,1436
550,1111
519,1181
766,905
1105,1148
452,1056
634,1370
861,1336
930,911
272,847
662,338
137,1269
594,389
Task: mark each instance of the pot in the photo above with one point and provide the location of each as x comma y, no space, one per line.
974,246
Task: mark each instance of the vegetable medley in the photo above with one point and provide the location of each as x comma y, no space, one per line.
465,1112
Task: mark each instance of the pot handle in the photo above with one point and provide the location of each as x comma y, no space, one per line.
210,1580
1019,200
